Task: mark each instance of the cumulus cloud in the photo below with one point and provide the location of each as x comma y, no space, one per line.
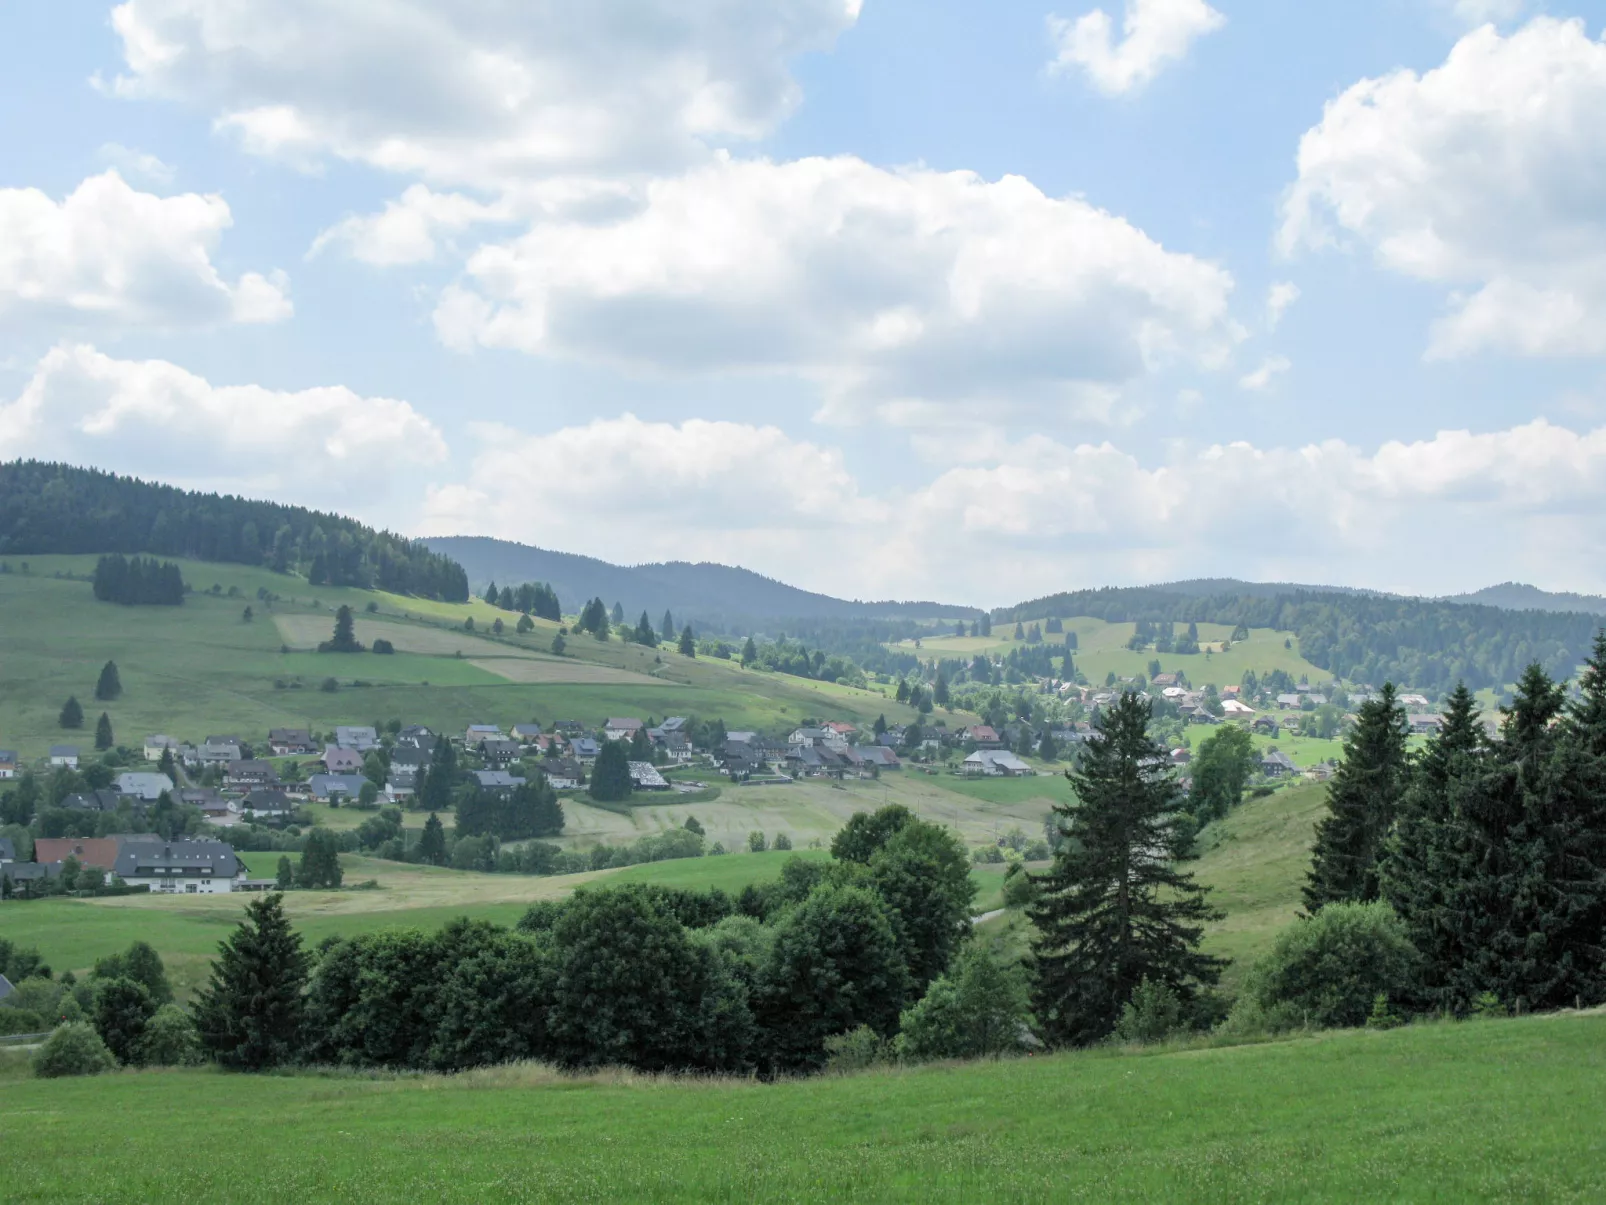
1261,378
1486,175
1154,34
1038,515
1278,298
322,446
478,94
1479,12
140,164
906,294
110,255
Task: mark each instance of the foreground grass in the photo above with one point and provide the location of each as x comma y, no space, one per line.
1499,1110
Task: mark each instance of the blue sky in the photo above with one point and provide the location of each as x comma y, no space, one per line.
939,299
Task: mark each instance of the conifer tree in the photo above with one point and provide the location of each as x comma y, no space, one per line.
72,714
345,637
103,732
492,596
1362,800
644,633
618,613
249,1014
1115,909
749,652
440,780
320,861
432,845
668,628
610,776
688,642
110,686
939,691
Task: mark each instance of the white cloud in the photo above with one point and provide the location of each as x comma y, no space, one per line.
1278,298
1270,368
1154,34
323,446
140,164
1481,12
1486,175
109,255
479,94
909,295
1039,515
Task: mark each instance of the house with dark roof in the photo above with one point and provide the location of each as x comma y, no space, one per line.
563,773
220,750
994,763
879,756
8,763
1278,764
267,801
328,787
526,734
338,760
175,867
621,728
103,800
64,755
289,742
497,782
356,736
499,754
147,787
585,748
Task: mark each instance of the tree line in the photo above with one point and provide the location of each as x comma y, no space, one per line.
138,581
532,598
57,508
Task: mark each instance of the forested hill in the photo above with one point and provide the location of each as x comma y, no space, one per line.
55,508
1425,643
729,598
1514,596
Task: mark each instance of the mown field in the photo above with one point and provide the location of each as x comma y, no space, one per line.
1510,1110
198,669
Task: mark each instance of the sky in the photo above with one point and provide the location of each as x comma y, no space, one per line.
952,300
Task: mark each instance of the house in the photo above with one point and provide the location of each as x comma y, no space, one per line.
644,776
1426,723
172,867
149,787
328,787
500,753
585,748
356,736
64,755
417,737
840,727
220,750
477,734
673,723
879,756
341,761
1414,701
267,801
546,741
676,746
563,773
983,737
1163,680
247,774
1173,693
90,851
155,746
740,760
8,853
1288,702
621,728
93,801
1231,692
289,742
1320,772
1267,724
1277,764
22,876
213,806
800,737
410,756
568,727
498,782
8,763
527,734
402,782
1181,757
1236,707
995,763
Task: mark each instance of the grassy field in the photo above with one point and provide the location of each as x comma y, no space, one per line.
198,669
1508,1110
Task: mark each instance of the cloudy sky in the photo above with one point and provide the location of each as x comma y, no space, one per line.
910,298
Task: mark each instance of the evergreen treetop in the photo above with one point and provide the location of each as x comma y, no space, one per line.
249,1014
109,686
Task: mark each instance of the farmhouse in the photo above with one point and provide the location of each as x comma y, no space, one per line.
1277,764
8,763
1266,724
358,737
500,754
1236,707
266,801
247,774
64,755
288,742
149,787
622,728
995,763
327,787
983,736
219,750
155,746
402,782
562,773
171,867
1426,723
341,761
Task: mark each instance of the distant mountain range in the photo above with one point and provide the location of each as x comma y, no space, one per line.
704,592
1514,596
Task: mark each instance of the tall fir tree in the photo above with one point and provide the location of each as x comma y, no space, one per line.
345,635
610,775
440,779
668,628
103,732
72,713
1114,908
432,845
688,642
749,652
249,1014
1362,800
644,633
110,686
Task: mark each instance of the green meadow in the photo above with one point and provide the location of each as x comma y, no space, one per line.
1508,1110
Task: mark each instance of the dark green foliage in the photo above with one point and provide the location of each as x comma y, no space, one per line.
1221,767
1326,970
1153,1013
836,964
644,633
610,776
1115,908
1362,801
866,832
320,861
17,964
170,1039
593,618
432,845
103,732
345,637
688,643
923,873
122,1009
383,647
109,686
73,1049
285,878
532,598
72,714
975,1010
440,781
143,965
136,581
529,810
249,1014
54,508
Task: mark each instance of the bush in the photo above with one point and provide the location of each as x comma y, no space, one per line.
123,1008
856,1050
756,842
20,1020
1328,970
170,1039
74,1049
1154,1012
977,1009
1019,890
782,841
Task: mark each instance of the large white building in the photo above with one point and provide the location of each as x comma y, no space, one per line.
178,867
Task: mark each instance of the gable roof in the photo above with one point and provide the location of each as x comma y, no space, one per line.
64,751
625,724
140,857
90,851
5,987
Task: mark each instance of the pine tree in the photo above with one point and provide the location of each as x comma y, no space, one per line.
249,1014
493,596
432,845
103,732
320,861
1424,860
440,780
345,637
668,628
688,642
285,876
644,633
1020,632
1114,908
749,652
1362,800
72,714
610,776
110,686
939,691
903,691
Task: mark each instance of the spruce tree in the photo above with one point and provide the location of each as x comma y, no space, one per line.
249,1014
72,714
110,686
610,777
440,780
939,691
345,637
668,628
688,642
103,732
644,633
320,861
749,652
1115,909
1362,800
432,845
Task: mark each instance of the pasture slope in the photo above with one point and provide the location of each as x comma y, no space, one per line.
1499,1110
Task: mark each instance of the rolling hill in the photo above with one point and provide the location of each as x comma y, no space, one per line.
1514,596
